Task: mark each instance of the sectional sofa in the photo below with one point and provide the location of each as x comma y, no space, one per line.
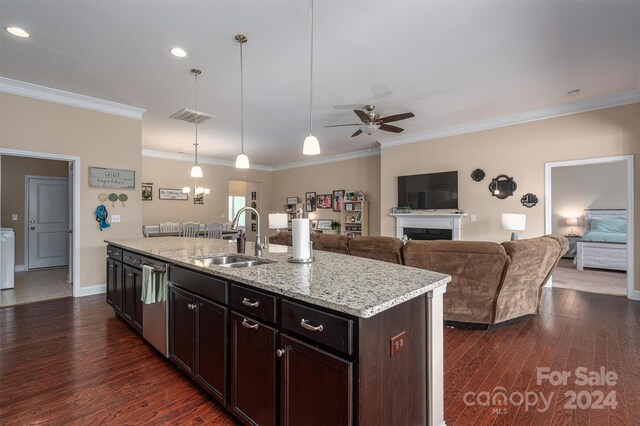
491,283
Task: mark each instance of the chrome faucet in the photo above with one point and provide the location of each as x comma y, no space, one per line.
234,227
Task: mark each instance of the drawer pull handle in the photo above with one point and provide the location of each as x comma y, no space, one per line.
127,257
190,306
280,352
251,303
249,325
305,324
136,260
130,275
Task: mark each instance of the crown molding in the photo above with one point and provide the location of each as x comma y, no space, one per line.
593,104
201,159
34,91
331,159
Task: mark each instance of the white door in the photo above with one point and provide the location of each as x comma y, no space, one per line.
70,227
48,222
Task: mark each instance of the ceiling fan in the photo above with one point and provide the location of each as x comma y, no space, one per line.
371,121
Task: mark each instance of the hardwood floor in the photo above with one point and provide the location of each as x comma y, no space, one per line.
71,361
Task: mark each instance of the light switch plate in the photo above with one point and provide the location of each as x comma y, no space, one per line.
115,218
473,218
14,217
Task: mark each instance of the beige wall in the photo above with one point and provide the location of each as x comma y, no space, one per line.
519,151
592,186
100,140
361,174
13,171
175,174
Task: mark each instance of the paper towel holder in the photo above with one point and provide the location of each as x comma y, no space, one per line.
309,260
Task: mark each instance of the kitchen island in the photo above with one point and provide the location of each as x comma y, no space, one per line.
343,340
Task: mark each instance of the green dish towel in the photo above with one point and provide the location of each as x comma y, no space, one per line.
148,285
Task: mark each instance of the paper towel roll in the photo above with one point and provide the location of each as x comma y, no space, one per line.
300,237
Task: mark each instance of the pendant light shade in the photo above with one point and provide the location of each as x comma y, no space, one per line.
196,171
311,145
242,162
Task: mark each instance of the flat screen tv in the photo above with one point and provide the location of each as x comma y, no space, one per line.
429,191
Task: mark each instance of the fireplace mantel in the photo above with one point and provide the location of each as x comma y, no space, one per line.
429,219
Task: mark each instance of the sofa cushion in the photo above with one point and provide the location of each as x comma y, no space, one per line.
532,261
476,269
331,242
386,249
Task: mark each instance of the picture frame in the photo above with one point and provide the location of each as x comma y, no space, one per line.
101,177
292,200
349,195
324,201
172,194
348,206
147,191
324,224
338,199
310,204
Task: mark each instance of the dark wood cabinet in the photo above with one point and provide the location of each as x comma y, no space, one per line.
198,340
114,284
253,371
211,348
315,386
131,296
182,321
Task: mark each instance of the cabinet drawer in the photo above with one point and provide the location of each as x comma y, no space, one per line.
203,285
256,303
132,259
322,327
114,252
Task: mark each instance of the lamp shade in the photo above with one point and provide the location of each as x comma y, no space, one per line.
278,220
242,162
311,145
571,221
312,216
196,171
513,221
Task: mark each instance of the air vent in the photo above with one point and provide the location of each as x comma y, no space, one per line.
189,115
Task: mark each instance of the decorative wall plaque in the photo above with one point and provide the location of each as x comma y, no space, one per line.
502,186
477,175
172,194
529,200
111,178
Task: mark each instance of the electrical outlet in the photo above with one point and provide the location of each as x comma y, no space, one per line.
473,218
398,343
115,218
14,217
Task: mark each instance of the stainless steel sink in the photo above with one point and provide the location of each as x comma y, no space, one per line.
232,261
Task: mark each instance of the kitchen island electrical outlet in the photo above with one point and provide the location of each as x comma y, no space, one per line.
398,343
115,218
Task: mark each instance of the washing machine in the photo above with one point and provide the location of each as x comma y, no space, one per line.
7,257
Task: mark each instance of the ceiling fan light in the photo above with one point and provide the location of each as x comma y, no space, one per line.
186,189
196,171
207,191
311,145
242,162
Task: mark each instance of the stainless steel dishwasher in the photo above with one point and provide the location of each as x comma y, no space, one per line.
155,316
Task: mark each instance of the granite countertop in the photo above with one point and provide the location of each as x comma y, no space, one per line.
353,285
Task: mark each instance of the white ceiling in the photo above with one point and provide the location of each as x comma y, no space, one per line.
449,62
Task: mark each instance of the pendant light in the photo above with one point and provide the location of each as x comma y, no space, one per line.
311,145
242,162
196,170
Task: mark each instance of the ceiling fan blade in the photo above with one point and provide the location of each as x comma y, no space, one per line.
397,117
342,125
362,115
356,133
390,128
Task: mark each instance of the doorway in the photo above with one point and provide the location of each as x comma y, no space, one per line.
591,202
68,275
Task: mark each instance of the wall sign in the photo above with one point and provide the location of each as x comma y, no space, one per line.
172,194
111,178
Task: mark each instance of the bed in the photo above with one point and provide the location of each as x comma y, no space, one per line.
603,244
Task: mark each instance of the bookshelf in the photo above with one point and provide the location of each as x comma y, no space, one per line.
354,219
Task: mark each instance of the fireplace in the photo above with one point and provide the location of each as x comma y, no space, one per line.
423,225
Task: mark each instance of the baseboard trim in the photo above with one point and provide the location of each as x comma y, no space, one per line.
635,295
94,289
19,268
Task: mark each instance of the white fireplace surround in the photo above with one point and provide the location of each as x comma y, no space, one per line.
444,219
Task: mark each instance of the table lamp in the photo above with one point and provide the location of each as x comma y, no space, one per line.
278,221
514,222
571,221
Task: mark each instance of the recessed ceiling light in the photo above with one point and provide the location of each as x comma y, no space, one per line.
17,31
573,92
180,53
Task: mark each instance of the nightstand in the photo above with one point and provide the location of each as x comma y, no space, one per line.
573,246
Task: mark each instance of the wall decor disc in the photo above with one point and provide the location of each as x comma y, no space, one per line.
502,186
529,200
477,175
